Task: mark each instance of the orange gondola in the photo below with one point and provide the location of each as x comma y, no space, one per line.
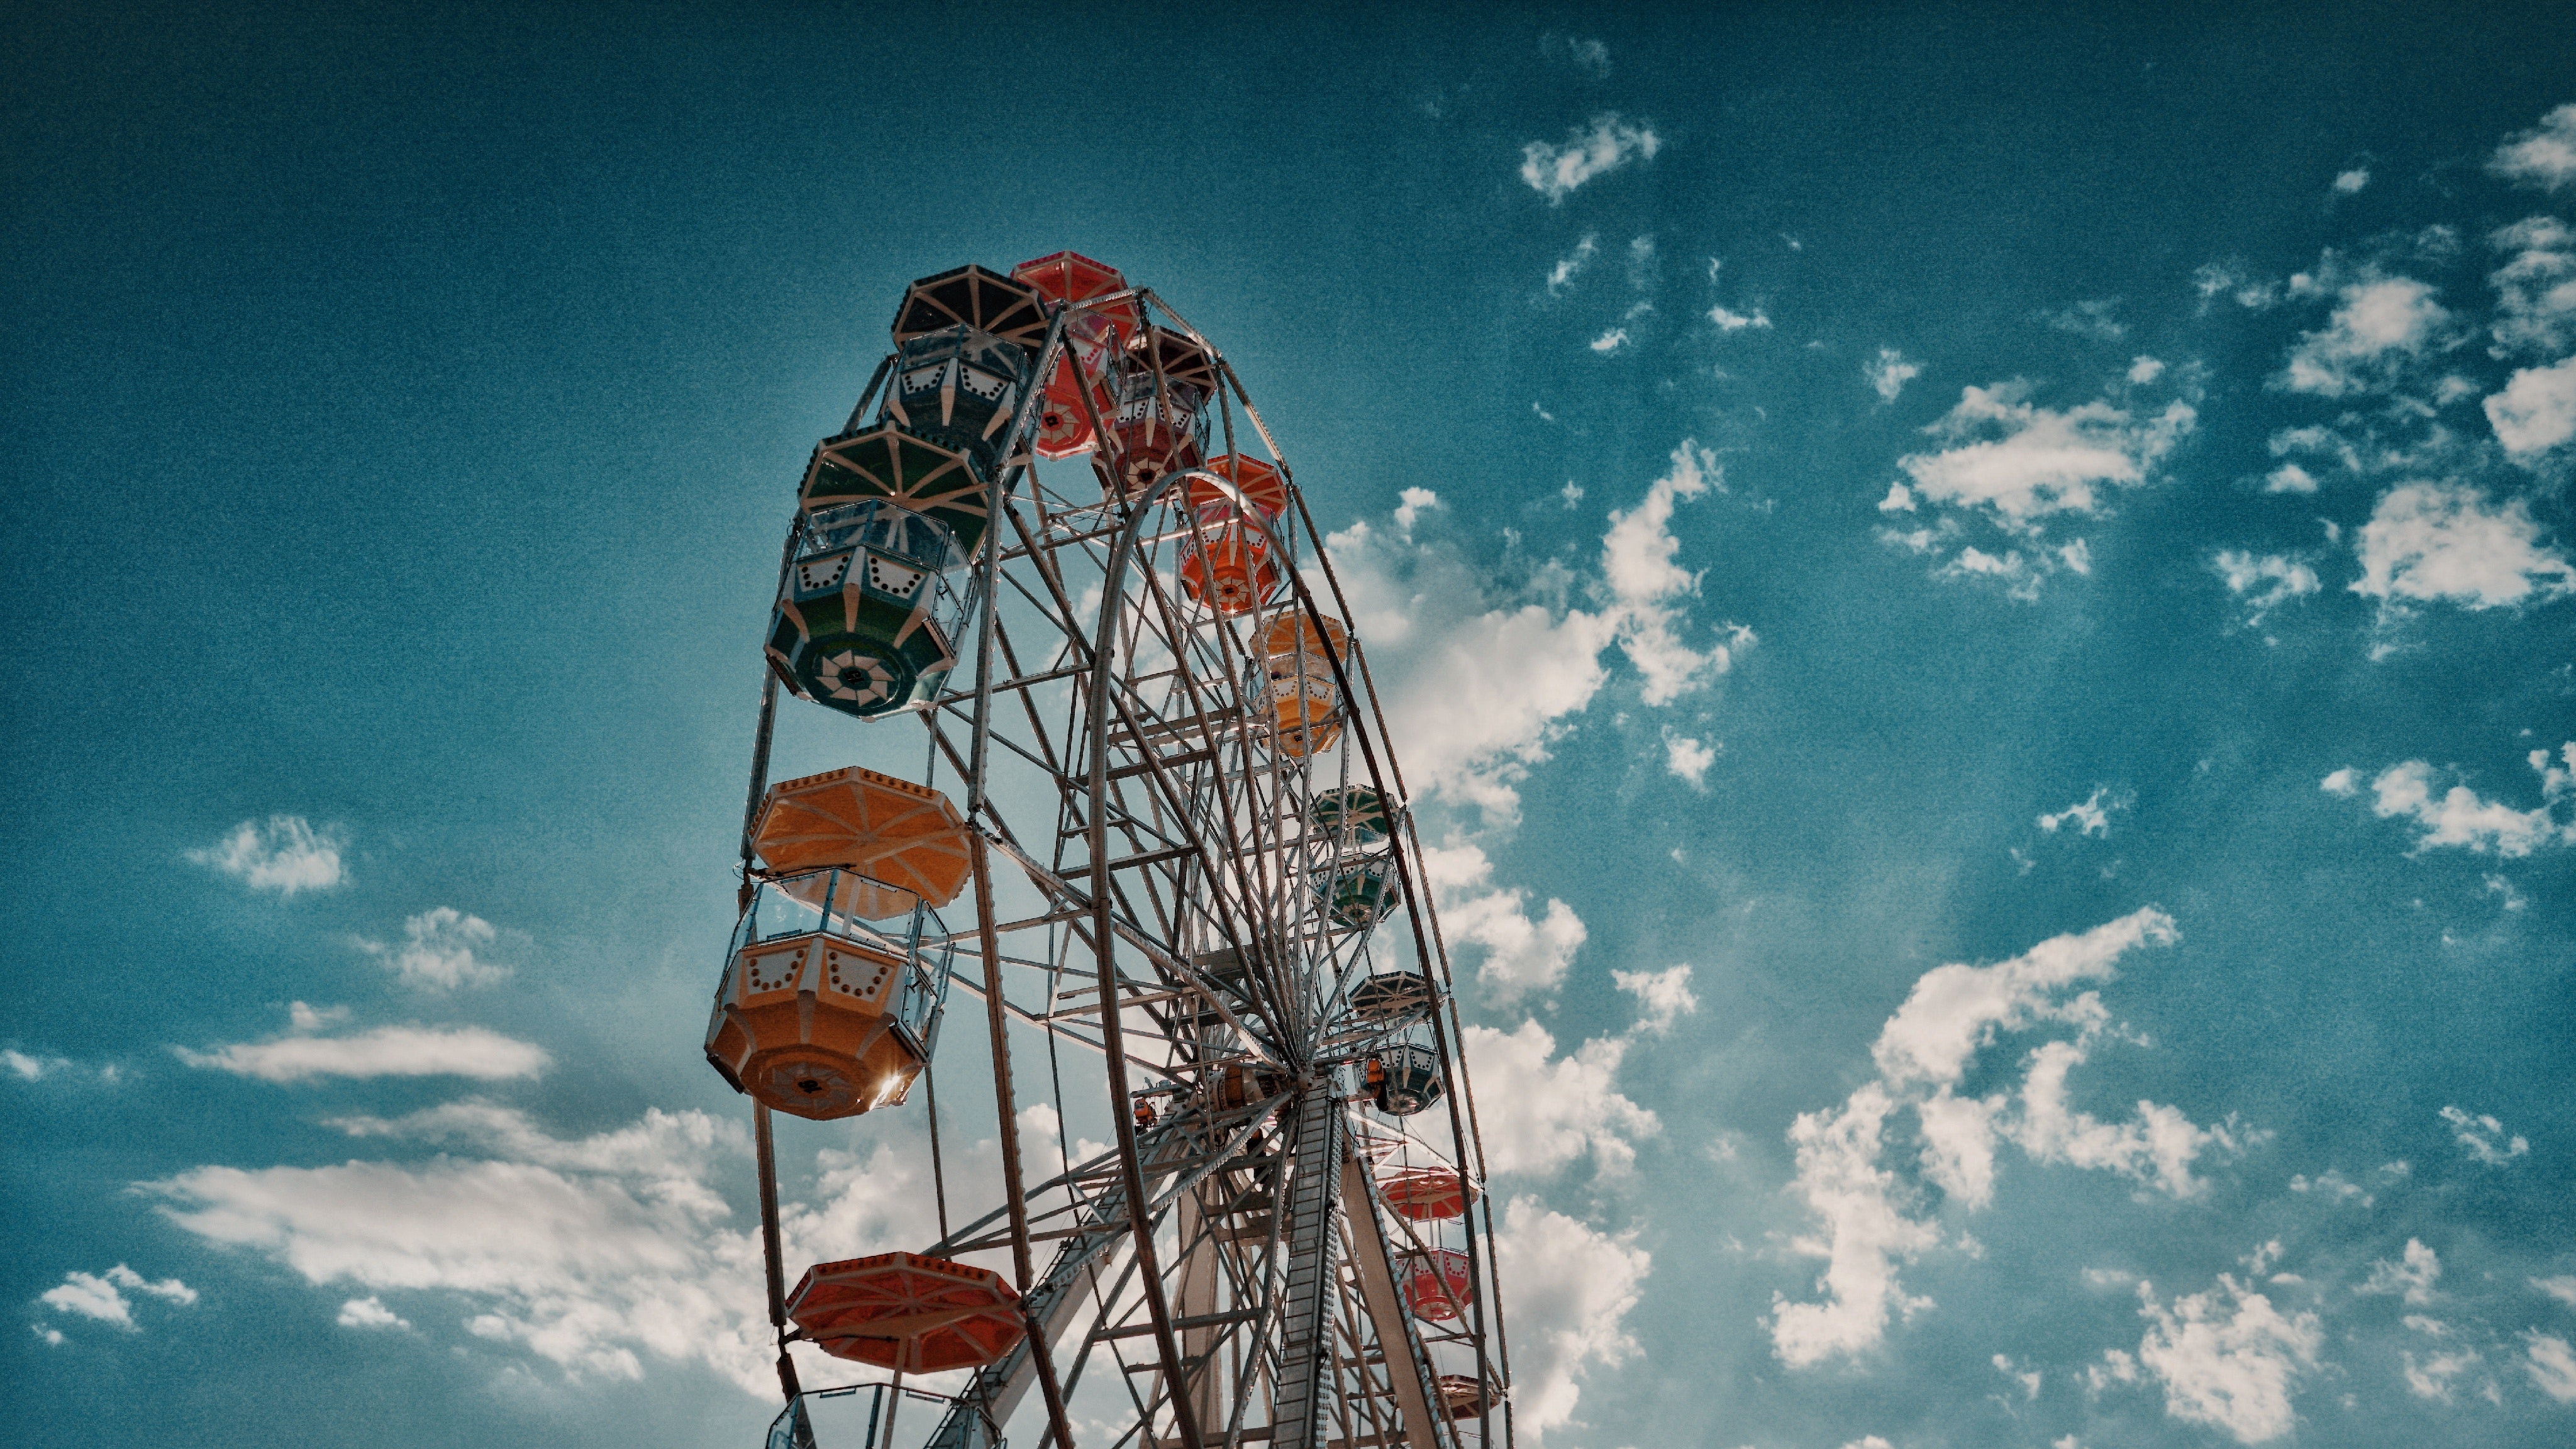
887,831
1226,560
908,1312
1248,479
1296,677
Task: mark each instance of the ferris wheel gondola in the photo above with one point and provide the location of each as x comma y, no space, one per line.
1285,1242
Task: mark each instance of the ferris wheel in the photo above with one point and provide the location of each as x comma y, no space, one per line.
1142,686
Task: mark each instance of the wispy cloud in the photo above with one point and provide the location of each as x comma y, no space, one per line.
1866,1227
2264,581
1571,265
2484,1138
2380,325
2089,816
286,854
1665,995
1607,144
385,1051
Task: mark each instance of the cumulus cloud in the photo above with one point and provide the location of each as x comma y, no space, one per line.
101,1296
1415,503
2228,1359
443,948
2021,462
1572,1287
2460,817
1686,759
2484,1138
1607,144
2537,409
2089,816
2544,156
286,854
369,1312
2264,581
1665,995
2381,324
2535,289
2350,183
2447,542
1515,953
2411,1275
1889,372
385,1051
1866,1223
1541,1111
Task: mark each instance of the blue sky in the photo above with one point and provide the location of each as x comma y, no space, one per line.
1979,606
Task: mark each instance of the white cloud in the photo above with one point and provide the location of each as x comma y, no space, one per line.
2562,1287
2350,183
2412,1275
101,1296
1687,759
2024,462
443,948
1889,373
2544,156
1471,730
385,1051
2266,581
2145,370
2536,290
285,855
1923,1052
2537,409
2289,478
1571,265
1899,499
2215,279
594,1254
1541,1111
1519,954
2432,1378
1591,57
1416,502
2091,319
2551,1364
1665,995
1610,341
2484,1137
1647,587
2445,541
2383,322
2089,816
2228,1359
48,1335
1865,1234
1607,144
2333,1185
2460,817
33,1069
1737,321
369,1312
1572,1287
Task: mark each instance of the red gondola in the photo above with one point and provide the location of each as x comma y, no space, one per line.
904,1311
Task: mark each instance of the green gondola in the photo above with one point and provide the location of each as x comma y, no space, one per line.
869,616
1359,894
1406,1078
1353,816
